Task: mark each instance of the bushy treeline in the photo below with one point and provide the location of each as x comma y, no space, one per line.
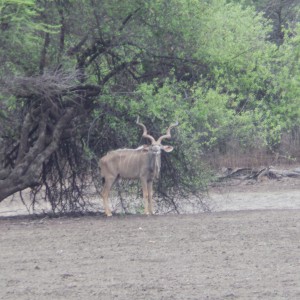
77,74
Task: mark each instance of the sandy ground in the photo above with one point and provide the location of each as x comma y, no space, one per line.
271,194
231,196
248,249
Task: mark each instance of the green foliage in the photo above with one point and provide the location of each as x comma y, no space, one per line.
21,36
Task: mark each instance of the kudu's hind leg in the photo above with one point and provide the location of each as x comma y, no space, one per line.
105,193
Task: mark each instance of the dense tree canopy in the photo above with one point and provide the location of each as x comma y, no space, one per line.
75,74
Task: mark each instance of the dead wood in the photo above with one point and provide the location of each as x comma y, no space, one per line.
257,173
50,104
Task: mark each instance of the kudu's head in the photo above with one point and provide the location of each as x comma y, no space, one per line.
156,146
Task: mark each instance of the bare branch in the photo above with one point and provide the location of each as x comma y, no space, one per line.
73,50
44,52
127,19
24,138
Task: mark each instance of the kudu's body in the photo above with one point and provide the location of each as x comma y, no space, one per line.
142,163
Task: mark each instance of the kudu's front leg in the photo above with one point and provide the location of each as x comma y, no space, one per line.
150,194
145,195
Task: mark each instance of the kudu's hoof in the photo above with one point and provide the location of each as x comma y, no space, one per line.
149,213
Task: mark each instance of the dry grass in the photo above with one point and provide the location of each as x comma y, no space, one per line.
232,155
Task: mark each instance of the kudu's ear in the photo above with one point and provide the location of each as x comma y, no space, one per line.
167,148
146,148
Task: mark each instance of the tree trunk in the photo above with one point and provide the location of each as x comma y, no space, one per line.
28,168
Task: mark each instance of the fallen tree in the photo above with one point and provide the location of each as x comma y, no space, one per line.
258,173
48,107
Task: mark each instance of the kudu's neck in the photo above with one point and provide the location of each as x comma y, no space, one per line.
154,162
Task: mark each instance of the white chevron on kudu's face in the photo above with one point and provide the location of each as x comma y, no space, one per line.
142,163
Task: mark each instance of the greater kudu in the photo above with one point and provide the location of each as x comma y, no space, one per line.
141,163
